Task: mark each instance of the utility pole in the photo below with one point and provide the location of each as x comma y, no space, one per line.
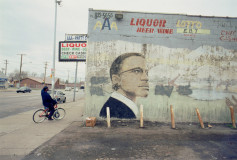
75,81
57,2
20,69
67,76
6,67
46,63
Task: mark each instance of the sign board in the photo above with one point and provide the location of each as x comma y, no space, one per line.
75,37
3,79
72,51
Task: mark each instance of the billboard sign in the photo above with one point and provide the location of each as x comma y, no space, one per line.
72,51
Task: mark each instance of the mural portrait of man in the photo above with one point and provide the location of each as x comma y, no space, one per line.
129,76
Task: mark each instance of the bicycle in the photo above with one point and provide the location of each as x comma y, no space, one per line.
41,114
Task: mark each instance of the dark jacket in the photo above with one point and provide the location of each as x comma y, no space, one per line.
47,100
117,109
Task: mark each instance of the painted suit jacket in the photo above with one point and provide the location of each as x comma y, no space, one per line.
117,109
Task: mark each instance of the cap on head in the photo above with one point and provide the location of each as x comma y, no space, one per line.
45,87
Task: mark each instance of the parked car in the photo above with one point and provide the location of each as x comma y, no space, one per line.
58,95
76,89
23,90
68,89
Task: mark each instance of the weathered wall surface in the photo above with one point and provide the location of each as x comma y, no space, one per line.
192,62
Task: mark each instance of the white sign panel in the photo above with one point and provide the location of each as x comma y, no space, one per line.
75,37
72,50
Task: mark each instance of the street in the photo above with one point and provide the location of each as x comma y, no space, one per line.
19,135
12,103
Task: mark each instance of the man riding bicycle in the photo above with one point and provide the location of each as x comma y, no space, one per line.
48,102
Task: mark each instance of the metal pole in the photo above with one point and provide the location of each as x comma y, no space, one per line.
68,76
75,82
45,72
6,68
54,48
20,71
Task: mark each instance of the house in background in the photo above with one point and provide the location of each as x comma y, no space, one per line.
3,81
79,85
37,82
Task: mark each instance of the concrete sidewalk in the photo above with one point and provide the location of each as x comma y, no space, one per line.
19,135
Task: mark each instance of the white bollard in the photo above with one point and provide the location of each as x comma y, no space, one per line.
141,116
108,117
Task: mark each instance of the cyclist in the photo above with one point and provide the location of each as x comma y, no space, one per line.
48,102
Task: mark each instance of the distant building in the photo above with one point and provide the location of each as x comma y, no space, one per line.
37,82
3,81
78,85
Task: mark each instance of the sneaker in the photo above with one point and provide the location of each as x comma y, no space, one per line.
50,119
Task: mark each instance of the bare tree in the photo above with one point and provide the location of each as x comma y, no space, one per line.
15,75
34,74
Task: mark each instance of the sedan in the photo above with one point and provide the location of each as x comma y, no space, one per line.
23,90
59,96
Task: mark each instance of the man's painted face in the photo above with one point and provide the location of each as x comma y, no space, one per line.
133,77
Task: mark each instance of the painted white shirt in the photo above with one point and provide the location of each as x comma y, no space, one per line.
126,101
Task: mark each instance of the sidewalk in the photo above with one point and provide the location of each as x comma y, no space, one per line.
19,135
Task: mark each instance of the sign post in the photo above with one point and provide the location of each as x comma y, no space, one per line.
75,82
73,49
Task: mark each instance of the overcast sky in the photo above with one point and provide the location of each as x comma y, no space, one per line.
27,27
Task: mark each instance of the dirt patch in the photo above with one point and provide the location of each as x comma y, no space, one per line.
126,140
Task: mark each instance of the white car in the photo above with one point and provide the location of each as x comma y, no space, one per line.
68,89
59,96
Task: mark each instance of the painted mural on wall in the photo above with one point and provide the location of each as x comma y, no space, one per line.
129,76
187,61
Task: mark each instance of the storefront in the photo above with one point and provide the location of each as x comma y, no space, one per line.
3,81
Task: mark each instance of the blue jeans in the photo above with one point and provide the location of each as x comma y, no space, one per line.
51,110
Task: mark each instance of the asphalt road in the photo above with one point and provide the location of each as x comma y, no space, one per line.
12,103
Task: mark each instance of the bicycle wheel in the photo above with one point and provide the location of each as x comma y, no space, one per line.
39,116
59,114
